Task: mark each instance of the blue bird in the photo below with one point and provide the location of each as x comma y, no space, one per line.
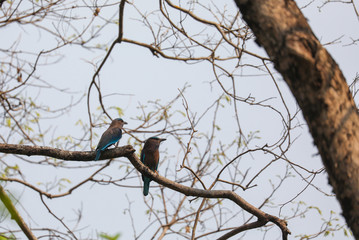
150,157
110,136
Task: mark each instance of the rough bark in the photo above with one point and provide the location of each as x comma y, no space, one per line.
63,154
320,90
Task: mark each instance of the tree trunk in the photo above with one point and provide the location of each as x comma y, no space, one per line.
320,90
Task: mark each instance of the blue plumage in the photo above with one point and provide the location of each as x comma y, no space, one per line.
111,136
150,157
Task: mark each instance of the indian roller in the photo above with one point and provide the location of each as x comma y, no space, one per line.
150,156
110,136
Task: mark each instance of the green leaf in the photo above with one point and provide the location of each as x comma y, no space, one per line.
8,122
66,180
79,122
219,160
227,98
119,110
3,237
28,128
316,208
109,237
183,114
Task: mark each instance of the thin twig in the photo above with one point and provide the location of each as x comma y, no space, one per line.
59,219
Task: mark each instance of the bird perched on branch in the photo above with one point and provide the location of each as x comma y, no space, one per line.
110,136
150,156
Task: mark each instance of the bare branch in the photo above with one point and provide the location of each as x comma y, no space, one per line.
128,152
15,214
63,154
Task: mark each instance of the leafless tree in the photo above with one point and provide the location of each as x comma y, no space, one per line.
219,177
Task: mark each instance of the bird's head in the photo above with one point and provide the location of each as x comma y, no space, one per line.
118,122
157,139
154,141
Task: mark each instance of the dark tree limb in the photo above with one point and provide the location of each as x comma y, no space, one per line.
129,152
65,155
320,90
226,194
242,228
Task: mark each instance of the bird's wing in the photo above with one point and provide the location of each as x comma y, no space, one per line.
109,137
143,156
156,159
157,163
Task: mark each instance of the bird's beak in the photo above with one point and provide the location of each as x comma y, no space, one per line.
124,122
162,139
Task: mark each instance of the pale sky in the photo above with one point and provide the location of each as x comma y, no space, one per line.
139,76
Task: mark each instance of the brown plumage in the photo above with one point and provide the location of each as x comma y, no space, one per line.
150,156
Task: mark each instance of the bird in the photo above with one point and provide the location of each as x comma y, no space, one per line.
110,136
150,157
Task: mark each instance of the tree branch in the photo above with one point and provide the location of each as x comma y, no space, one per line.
63,154
242,228
189,191
320,90
128,151
15,214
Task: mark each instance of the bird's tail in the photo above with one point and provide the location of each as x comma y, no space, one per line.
146,185
98,154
